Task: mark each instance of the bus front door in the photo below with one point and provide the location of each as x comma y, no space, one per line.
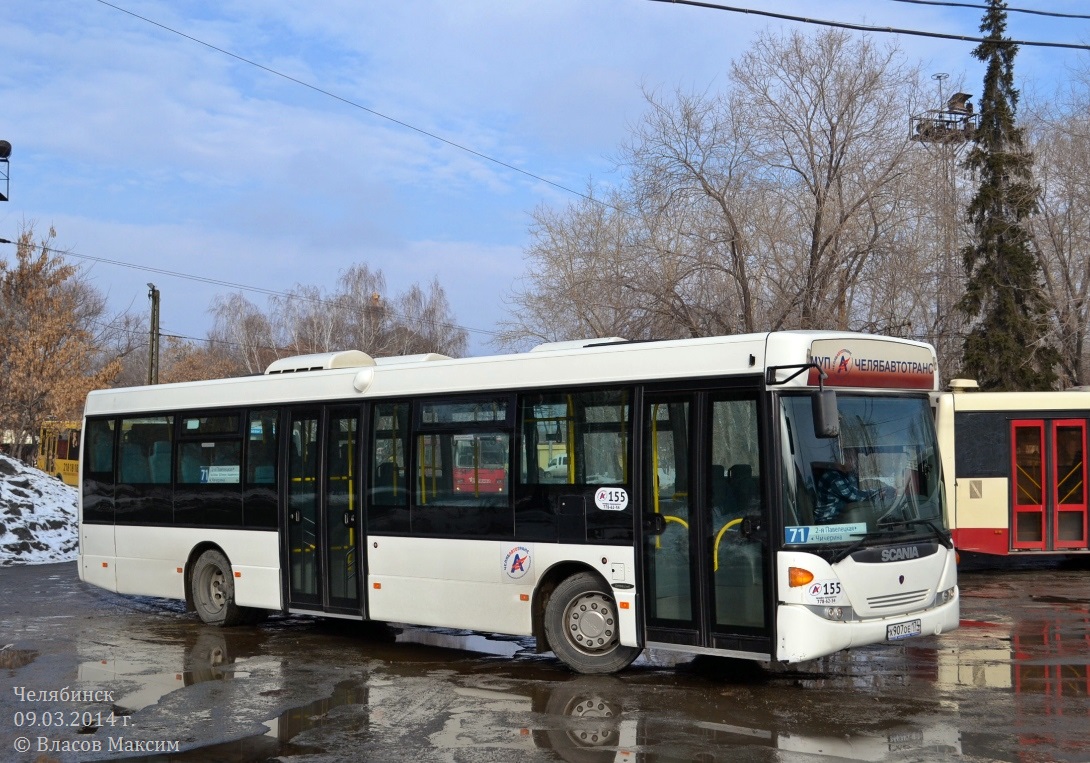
323,544
705,570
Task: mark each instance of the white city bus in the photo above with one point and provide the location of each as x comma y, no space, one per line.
1015,467
688,518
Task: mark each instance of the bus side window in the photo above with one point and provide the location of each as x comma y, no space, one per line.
387,489
100,456
98,472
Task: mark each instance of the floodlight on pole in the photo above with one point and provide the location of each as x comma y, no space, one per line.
5,152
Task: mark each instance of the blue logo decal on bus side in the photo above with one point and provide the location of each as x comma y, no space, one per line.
517,562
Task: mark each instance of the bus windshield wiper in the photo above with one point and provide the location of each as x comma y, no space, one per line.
907,524
863,538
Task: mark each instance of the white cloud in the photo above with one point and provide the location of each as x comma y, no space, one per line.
144,146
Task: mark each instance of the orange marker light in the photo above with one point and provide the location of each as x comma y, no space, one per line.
524,597
238,574
179,570
797,576
623,604
376,586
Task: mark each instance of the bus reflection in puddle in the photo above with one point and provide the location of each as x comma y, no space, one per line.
584,719
666,709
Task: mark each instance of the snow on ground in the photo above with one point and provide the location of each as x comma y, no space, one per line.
38,516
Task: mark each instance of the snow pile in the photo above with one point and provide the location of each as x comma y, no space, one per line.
38,516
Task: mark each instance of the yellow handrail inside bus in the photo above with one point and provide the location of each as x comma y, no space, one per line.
476,467
423,473
397,442
569,446
655,464
719,537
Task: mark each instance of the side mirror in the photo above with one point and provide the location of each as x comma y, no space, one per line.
826,415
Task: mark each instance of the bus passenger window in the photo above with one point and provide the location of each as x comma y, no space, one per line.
261,448
211,451
100,454
575,439
145,451
387,486
209,463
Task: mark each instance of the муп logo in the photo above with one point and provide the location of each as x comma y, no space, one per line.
842,363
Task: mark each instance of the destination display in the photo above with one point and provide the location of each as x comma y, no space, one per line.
872,363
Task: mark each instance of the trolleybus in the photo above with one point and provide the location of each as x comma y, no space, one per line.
691,516
1015,466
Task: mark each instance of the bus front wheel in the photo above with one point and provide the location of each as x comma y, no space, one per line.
583,629
213,589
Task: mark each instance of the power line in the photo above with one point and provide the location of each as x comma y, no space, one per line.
349,102
866,27
242,287
1056,14
174,335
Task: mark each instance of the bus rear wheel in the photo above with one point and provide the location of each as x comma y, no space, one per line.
213,589
583,629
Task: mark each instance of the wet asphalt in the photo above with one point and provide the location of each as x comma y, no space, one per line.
89,675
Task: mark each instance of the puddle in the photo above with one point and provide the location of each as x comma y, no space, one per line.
417,693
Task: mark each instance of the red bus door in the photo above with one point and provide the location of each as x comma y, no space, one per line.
1027,485
1069,484
1048,485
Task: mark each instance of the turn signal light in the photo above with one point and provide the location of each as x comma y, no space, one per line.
797,576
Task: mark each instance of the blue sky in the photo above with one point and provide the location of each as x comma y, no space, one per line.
145,147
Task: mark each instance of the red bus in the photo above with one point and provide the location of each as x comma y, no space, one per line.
480,464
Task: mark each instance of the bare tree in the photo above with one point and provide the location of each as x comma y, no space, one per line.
357,314
1059,138
777,204
828,115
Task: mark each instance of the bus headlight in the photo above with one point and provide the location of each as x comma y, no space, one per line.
834,613
946,596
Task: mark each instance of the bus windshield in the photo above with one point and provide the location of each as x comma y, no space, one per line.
881,473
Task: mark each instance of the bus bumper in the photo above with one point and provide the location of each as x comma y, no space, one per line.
805,635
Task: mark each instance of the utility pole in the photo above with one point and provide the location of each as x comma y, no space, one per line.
153,343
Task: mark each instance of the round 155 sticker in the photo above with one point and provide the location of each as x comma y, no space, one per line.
611,498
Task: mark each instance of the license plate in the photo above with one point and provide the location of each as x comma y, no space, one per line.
904,630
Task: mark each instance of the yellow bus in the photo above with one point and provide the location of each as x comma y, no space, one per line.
58,450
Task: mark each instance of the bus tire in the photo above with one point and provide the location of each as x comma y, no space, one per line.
213,588
582,626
